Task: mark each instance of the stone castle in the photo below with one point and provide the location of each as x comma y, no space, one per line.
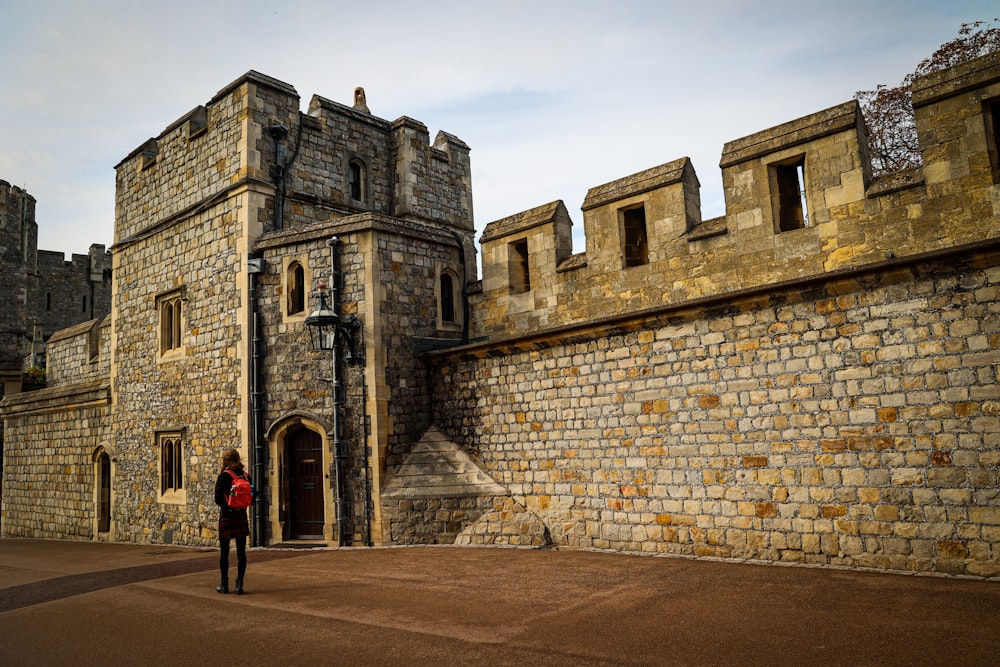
812,377
41,292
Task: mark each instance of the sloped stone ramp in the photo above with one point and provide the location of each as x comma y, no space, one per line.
438,469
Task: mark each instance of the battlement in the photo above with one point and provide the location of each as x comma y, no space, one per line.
801,202
331,161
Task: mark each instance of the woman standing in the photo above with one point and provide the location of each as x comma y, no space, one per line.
233,523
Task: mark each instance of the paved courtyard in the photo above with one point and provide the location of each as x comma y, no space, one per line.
82,603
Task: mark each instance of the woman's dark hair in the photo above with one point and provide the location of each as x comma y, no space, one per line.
231,459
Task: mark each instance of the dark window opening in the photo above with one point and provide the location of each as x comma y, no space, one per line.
48,301
104,491
520,276
296,289
792,210
447,298
354,180
992,117
94,342
149,152
84,309
636,248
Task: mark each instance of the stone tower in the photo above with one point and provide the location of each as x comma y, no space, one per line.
223,229
18,269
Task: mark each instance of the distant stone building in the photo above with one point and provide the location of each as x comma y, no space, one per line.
810,378
40,292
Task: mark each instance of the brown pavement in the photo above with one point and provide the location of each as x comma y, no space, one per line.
82,603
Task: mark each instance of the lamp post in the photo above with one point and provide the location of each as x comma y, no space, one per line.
329,332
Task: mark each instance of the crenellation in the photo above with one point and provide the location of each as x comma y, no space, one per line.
810,378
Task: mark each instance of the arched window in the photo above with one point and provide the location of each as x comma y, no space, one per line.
355,180
103,492
295,281
447,298
170,322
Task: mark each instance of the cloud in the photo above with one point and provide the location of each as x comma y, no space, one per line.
554,97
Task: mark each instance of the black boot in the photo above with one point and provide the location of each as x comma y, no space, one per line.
223,586
239,587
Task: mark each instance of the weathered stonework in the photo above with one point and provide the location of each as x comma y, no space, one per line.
809,378
854,421
40,292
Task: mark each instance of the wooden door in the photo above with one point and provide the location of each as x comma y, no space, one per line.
305,485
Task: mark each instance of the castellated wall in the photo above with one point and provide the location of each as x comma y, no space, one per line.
73,291
811,378
187,204
854,421
57,473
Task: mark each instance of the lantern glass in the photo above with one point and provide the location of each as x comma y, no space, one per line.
322,324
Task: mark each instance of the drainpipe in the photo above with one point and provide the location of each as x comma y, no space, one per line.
258,453
279,172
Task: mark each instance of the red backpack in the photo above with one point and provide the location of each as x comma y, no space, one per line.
241,493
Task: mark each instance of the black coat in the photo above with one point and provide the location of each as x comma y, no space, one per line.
232,523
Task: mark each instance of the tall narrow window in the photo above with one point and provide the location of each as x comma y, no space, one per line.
517,259
635,248
48,301
447,298
355,176
296,280
789,178
103,493
171,462
170,322
84,306
992,117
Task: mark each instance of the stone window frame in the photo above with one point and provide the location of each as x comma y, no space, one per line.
171,466
197,122
104,451
150,151
94,342
170,314
634,235
519,266
287,266
357,185
788,180
458,314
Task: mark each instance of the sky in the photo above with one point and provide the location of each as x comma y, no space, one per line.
553,96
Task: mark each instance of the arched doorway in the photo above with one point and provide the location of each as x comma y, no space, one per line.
306,494
103,492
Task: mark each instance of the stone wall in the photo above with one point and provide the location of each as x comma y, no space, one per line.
81,353
850,421
53,437
70,292
186,206
389,268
